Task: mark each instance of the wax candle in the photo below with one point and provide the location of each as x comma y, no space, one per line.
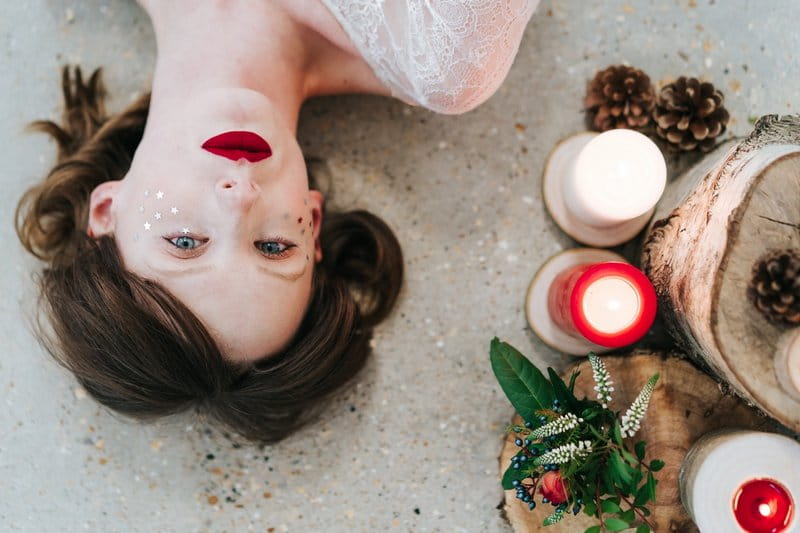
601,189
737,480
787,363
587,300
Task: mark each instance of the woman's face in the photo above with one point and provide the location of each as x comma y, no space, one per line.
236,241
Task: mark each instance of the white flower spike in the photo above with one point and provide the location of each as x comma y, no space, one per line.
559,425
602,380
631,420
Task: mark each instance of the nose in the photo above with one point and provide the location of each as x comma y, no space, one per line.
238,193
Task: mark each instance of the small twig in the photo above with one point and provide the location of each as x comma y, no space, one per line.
636,510
599,507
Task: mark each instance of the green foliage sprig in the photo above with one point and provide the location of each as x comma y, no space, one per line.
580,442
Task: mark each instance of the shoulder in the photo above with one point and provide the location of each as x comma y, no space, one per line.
447,55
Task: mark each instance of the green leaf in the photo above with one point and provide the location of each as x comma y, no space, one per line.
590,508
562,393
643,528
512,474
572,378
620,469
525,386
610,507
629,516
651,487
639,448
615,524
617,434
593,529
629,457
642,496
656,465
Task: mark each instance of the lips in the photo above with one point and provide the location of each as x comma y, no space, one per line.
236,145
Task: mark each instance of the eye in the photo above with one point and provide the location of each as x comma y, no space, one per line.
184,242
273,248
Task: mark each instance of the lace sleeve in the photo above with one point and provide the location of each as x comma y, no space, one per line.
446,55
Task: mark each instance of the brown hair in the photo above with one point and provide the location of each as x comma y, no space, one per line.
136,348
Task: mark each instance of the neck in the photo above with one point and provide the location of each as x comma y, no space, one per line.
228,44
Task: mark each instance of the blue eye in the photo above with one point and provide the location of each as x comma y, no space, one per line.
185,242
273,248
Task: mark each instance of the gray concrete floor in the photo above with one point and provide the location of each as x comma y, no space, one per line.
413,447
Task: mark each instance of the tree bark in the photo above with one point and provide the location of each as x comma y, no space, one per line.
711,226
685,405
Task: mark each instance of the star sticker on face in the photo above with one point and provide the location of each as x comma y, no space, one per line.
174,210
159,195
147,192
147,226
157,216
185,231
141,209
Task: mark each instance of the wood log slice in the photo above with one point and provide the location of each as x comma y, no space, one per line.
711,226
685,405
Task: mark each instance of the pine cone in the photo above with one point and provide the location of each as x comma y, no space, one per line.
690,114
619,97
775,287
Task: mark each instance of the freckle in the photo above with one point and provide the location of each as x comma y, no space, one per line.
286,216
302,232
300,220
309,223
306,258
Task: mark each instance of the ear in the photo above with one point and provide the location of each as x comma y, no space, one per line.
315,203
101,215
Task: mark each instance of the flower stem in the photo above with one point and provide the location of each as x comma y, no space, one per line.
636,510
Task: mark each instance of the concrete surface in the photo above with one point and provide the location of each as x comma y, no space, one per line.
413,447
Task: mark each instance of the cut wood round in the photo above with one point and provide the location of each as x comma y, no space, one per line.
711,226
685,405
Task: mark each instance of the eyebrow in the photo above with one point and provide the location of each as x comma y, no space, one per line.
288,276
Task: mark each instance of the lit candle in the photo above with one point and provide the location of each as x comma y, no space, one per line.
787,363
590,300
736,480
601,189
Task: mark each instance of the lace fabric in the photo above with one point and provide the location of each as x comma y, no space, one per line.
446,55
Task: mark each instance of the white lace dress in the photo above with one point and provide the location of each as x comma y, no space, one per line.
446,55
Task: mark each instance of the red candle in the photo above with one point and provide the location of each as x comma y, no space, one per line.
611,304
763,506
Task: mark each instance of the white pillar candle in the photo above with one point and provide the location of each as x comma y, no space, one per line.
737,480
618,176
787,363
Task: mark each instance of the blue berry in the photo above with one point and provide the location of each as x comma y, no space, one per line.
515,483
528,425
545,500
542,419
527,498
515,466
516,430
576,509
518,442
532,506
579,500
555,403
527,442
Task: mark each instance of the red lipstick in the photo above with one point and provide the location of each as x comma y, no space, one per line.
239,144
